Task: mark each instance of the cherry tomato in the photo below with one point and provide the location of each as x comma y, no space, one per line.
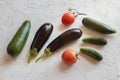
69,56
68,19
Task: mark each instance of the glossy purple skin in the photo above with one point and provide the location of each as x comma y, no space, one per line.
64,38
41,36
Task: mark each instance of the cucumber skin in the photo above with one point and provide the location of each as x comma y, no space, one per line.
97,26
92,53
18,41
95,40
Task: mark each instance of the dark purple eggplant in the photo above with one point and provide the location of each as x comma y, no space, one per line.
61,40
40,39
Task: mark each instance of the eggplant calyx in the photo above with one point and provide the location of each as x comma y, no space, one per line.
33,54
46,53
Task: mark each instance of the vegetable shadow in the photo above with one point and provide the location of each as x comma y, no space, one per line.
99,47
88,58
7,59
62,27
63,67
93,33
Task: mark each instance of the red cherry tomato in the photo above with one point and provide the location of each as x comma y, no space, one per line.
69,56
68,19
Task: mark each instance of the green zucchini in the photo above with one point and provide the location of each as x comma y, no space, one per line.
97,26
92,53
18,41
95,40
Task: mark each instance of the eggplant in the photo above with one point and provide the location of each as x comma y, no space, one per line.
41,37
61,40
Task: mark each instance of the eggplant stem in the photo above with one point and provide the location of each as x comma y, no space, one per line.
33,54
46,53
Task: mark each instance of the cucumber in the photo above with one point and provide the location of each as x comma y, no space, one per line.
92,53
18,41
95,40
97,26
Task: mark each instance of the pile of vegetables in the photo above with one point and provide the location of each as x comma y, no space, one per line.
69,56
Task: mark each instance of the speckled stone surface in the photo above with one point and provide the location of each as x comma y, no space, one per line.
14,12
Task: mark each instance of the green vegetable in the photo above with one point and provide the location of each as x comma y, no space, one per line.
92,53
18,41
95,40
97,26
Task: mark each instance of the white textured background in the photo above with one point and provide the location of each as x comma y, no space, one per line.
14,12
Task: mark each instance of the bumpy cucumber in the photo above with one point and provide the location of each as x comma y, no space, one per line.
92,53
95,40
18,41
97,26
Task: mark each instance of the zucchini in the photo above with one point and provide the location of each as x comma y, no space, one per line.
95,40
97,26
18,41
92,53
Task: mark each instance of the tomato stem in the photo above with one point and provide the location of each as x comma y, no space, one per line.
75,12
78,57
